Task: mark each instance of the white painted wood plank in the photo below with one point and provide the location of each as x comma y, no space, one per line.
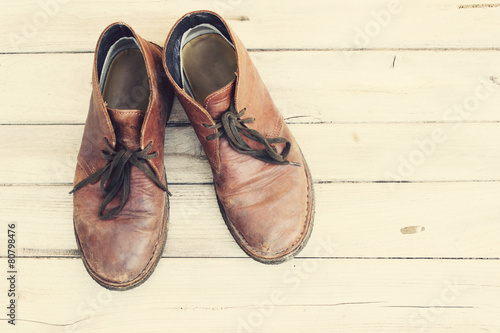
358,220
306,86
29,26
347,152
192,295
444,54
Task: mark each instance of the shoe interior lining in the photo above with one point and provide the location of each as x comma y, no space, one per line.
109,38
124,79
173,45
207,61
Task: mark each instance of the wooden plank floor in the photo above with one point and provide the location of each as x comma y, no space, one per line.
396,105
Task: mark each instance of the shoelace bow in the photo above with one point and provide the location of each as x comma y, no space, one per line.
116,175
232,127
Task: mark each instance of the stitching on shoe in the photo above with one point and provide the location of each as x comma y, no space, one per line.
223,90
276,130
128,112
211,160
222,100
101,105
88,170
203,112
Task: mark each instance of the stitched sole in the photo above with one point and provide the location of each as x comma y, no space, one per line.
150,267
289,255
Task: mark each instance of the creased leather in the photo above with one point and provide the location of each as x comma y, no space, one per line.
268,208
121,252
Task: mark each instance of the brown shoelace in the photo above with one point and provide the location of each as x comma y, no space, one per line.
233,127
117,175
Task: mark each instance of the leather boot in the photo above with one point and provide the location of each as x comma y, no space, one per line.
261,178
120,195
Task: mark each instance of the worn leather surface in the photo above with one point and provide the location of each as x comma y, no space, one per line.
268,208
121,252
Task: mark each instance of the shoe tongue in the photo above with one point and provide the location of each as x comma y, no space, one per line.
219,101
127,125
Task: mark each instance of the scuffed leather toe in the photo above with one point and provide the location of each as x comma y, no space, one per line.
107,249
268,211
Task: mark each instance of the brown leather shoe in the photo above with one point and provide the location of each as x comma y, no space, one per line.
120,195
261,179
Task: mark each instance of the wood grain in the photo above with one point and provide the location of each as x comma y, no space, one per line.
261,24
192,295
335,153
308,87
357,220
395,106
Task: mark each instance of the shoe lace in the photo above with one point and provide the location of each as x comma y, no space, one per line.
116,175
232,126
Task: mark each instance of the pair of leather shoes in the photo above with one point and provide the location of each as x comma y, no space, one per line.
121,205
